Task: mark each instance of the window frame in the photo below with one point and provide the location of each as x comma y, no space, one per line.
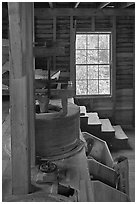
110,64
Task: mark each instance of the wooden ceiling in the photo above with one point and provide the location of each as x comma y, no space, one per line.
94,5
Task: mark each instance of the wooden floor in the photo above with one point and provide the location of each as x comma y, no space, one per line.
128,151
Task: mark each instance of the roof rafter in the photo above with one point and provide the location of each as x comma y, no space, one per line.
51,5
103,5
127,4
77,4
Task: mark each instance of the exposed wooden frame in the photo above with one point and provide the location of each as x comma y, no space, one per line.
72,53
30,71
126,5
103,5
134,84
114,68
45,13
51,5
21,91
50,52
54,39
77,4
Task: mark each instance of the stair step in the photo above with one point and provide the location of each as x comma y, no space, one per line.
119,133
89,121
106,126
83,118
107,131
83,111
94,124
93,119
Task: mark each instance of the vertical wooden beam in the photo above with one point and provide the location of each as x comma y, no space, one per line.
114,69
21,94
54,39
30,73
133,83
20,145
72,53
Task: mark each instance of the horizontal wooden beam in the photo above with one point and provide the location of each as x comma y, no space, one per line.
103,4
77,4
48,52
69,93
126,5
46,13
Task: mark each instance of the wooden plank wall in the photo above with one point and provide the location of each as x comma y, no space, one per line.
124,62
44,32
125,34
63,39
96,23
124,97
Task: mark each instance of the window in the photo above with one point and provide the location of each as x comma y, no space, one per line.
93,58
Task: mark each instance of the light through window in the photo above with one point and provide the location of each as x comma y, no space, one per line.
93,57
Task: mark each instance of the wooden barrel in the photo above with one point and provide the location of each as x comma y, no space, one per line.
57,134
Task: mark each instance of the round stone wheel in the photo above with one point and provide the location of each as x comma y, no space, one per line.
57,134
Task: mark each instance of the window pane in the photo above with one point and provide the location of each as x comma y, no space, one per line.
104,87
92,57
92,87
81,72
93,64
81,57
103,56
103,41
104,72
93,72
92,42
81,87
81,42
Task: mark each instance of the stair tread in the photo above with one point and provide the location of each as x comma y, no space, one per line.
82,109
93,119
119,133
106,126
83,112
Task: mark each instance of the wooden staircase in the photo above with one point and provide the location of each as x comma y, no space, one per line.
101,128
107,131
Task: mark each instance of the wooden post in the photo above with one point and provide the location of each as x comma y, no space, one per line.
30,73
133,118
21,91
54,39
72,53
113,75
